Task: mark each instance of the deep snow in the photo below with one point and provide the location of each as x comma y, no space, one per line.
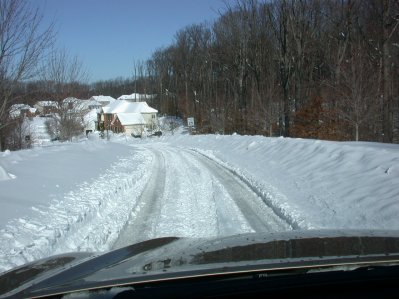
79,196
320,184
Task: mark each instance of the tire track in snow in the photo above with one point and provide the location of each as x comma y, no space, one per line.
189,195
295,222
207,210
261,217
143,218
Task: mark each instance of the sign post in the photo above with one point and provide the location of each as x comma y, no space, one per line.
190,122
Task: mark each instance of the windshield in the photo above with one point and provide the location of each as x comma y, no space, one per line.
128,121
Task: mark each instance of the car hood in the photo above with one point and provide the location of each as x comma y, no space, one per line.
174,258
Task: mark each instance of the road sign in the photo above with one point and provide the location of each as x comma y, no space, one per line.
190,121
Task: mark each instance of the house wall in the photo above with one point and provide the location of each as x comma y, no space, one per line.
91,125
135,129
151,120
107,119
116,125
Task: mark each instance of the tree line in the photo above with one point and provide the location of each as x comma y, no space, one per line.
301,68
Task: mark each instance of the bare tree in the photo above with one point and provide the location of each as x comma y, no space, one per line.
264,66
356,90
22,45
20,134
65,76
385,17
62,71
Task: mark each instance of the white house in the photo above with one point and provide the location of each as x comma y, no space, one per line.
46,107
90,121
133,123
18,110
109,115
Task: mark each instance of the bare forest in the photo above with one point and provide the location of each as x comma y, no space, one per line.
311,69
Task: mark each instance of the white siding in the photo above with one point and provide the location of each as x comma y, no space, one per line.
150,119
135,129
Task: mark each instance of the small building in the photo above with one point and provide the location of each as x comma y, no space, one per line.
90,121
21,110
109,120
132,124
46,107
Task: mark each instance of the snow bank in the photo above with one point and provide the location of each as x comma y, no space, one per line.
316,184
74,197
3,174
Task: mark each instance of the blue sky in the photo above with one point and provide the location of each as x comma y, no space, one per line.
108,36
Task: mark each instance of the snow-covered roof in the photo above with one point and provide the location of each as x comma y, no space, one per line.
15,110
136,96
131,119
19,107
77,103
70,100
124,106
93,103
46,103
102,99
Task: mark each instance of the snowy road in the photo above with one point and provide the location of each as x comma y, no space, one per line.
189,195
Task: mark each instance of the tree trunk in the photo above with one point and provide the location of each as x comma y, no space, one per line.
388,108
1,140
357,132
395,120
387,112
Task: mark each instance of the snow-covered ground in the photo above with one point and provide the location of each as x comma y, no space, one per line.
318,184
97,195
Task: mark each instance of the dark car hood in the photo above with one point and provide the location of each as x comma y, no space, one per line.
172,258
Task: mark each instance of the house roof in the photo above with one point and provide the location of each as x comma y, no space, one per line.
46,103
131,119
124,106
93,102
136,96
70,100
102,99
19,107
15,110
